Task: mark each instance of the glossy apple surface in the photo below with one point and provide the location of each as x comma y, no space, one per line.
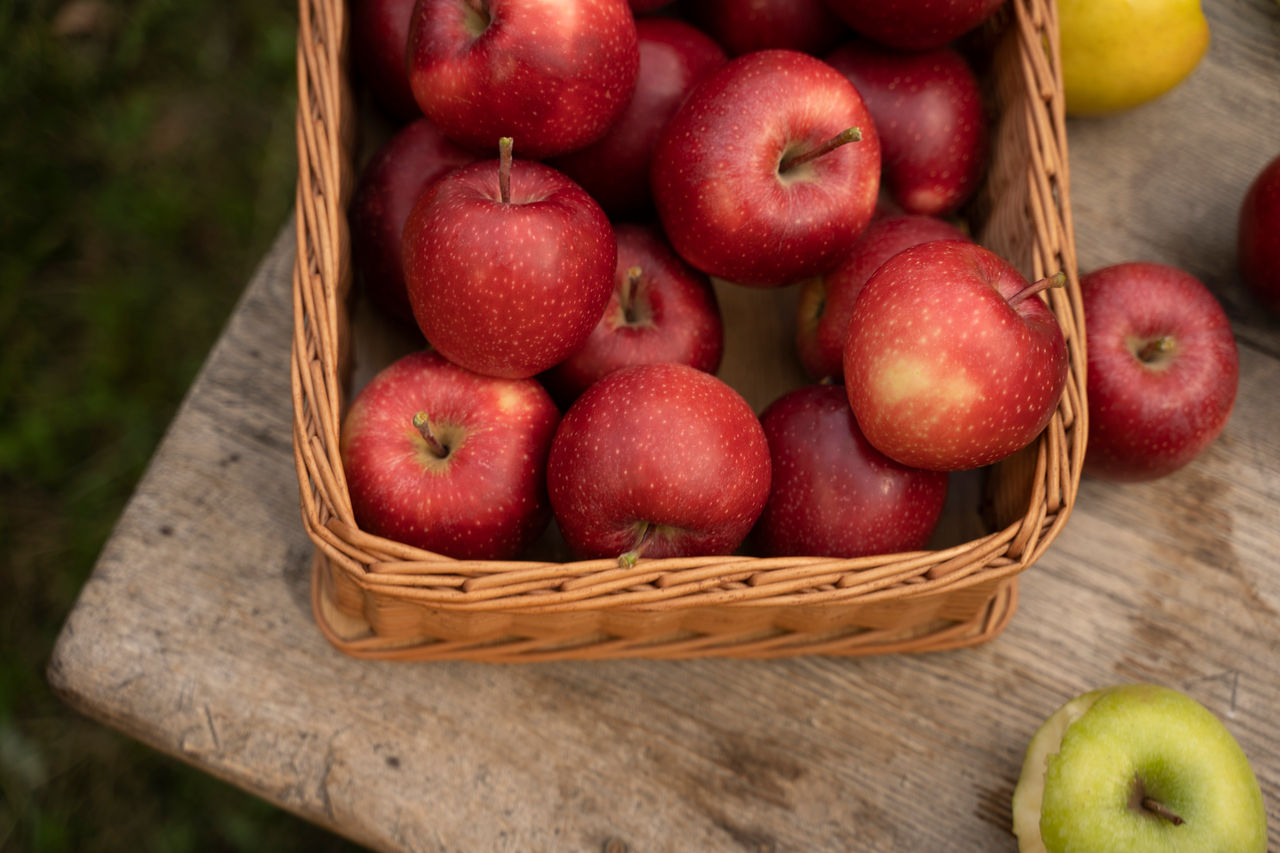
508,287
928,111
476,488
1137,767
952,361
1163,369
551,74
379,40
661,309
743,26
1258,236
658,460
734,191
390,183
913,24
826,301
615,170
834,494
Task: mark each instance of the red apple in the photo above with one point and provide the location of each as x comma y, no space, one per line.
833,494
952,361
444,459
1163,369
658,460
661,309
743,26
1258,236
752,178
390,183
552,74
379,39
508,266
928,111
913,24
826,301
615,170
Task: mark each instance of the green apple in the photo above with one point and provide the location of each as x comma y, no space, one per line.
1135,768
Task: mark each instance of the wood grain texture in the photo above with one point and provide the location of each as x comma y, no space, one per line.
194,633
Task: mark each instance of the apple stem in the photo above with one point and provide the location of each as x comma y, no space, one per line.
422,424
627,293
1161,810
505,144
1058,279
852,134
643,539
1155,348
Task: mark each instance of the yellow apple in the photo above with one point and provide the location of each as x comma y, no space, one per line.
1117,54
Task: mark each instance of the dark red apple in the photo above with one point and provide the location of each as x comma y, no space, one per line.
379,39
551,74
661,309
508,266
615,170
826,301
761,178
743,26
1258,236
913,24
658,460
952,361
833,494
1163,369
444,459
389,185
928,110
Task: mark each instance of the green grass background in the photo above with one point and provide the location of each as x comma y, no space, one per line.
146,162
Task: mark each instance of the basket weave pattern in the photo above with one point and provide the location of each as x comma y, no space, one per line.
375,597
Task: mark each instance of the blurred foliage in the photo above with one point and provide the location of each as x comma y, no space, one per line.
148,162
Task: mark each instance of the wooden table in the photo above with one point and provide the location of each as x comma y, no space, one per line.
195,635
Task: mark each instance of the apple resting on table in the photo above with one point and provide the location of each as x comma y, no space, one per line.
397,174
1258,236
768,171
952,361
928,111
1163,369
658,460
826,301
1137,768
552,74
661,309
834,494
448,460
509,265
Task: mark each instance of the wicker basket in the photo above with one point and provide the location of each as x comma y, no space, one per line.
374,597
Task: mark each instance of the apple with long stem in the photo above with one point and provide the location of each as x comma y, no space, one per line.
833,494
661,309
389,186
1139,768
952,361
826,301
929,113
615,169
768,171
441,458
658,460
508,265
553,74
1163,369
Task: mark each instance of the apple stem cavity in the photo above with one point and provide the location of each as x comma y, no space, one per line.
643,538
627,294
422,423
1058,279
851,134
505,144
1161,810
1152,350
